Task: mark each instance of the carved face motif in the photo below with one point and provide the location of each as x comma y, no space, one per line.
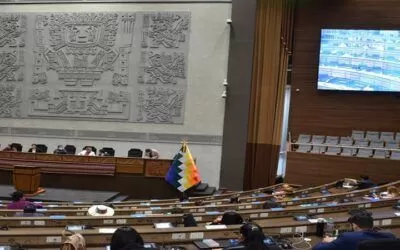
82,33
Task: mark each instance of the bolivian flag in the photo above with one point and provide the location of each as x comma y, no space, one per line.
182,173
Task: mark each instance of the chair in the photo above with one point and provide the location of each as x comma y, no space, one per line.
346,141
17,146
333,151
332,140
318,149
348,152
380,154
392,145
318,139
395,155
304,138
41,148
387,136
357,134
397,137
135,152
380,244
361,142
376,143
372,135
109,151
70,149
364,153
304,148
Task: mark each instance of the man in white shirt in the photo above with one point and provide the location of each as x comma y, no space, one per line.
152,153
87,152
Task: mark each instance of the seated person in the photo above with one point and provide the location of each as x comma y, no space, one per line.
392,192
29,211
88,151
19,202
365,183
9,148
228,218
127,238
234,199
151,153
60,150
34,149
271,203
251,238
362,224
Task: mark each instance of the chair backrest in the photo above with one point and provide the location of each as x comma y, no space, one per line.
380,154
333,150
392,145
17,146
387,136
347,141
109,151
318,139
304,138
71,149
380,244
332,140
364,152
395,155
361,142
372,135
348,151
135,152
42,148
376,144
357,134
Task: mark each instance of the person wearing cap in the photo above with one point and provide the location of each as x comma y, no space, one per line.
100,210
19,201
362,224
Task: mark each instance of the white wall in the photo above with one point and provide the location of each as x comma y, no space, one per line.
204,110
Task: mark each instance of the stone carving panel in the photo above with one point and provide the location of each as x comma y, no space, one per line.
10,100
12,47
129,67
160,105
83,103
165,29
164,67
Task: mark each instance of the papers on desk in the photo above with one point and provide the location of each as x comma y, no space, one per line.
397,214
347,186
313,221
107,230
208,227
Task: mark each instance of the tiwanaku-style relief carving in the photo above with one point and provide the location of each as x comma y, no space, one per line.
13,28
130,67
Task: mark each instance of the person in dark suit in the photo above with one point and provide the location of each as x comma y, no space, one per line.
362,224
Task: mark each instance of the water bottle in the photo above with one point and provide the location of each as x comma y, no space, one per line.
329,227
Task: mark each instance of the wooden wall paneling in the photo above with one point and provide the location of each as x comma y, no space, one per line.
337,113
315,169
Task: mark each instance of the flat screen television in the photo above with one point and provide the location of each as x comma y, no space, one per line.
359,60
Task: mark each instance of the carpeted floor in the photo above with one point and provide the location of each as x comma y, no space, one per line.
55,194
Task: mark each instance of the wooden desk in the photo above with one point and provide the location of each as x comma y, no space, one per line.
26,178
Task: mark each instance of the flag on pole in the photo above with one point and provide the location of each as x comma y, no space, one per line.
182,173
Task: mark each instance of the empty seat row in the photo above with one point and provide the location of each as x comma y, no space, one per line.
348,141
374,135
345,151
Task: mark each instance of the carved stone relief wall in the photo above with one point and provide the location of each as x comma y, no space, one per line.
129,67
12,67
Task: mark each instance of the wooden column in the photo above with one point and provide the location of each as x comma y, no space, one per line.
270,60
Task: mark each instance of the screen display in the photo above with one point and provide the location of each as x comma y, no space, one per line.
359,60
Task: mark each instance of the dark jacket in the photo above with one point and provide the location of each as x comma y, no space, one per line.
350,240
